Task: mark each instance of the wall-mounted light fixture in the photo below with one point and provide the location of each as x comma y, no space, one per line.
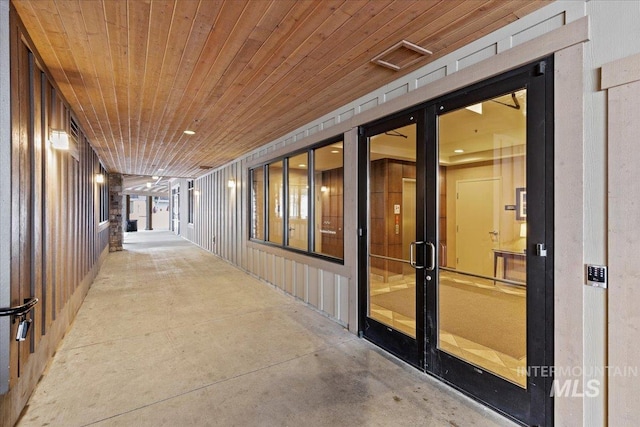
99,178
59,139
523,229
324,188
231,183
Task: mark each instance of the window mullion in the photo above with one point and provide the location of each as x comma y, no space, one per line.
285,202
311,216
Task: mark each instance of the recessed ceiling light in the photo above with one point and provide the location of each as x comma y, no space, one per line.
189,132
160,170
476,108
148,185
458,151
155,177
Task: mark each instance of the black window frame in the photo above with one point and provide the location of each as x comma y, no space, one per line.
310,150
190,203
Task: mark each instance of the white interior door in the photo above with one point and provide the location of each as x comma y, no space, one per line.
477,224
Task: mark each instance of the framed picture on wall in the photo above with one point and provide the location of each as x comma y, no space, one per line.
521,204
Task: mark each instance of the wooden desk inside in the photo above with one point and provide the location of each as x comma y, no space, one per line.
510,259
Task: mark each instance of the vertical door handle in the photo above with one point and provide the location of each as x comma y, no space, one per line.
412,260
432,266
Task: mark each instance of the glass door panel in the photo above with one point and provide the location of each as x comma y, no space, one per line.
391,218
392,195
447,194
482,298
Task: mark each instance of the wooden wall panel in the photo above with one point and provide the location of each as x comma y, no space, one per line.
289,276
343,300
55,247
301,288
279,271
313,287
47,170
328,285
37,224
261,270
19,126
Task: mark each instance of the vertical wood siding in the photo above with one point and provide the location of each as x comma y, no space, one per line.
56,242
221,227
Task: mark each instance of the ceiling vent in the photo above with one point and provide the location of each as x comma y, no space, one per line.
401,55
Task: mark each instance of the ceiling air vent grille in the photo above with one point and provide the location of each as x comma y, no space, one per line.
401,55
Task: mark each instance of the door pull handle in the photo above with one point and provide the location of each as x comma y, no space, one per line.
412,260
432,260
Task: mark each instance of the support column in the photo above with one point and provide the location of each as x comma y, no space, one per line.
127,208
149,212
116,235
621,79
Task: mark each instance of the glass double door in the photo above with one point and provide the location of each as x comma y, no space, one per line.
454,277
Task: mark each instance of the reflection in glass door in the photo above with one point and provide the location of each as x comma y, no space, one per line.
394,285
465,290
490,300
392,281
482,161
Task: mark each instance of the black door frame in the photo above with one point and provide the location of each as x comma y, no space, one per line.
408,349
536,408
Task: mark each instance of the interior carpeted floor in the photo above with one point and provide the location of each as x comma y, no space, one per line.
487,316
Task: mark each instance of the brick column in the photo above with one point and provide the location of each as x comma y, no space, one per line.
116,235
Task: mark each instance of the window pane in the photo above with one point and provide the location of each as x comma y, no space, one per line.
328,176
298,187
483,272
392,292
275,195
190,205
257,203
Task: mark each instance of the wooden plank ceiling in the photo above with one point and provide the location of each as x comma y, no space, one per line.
239,73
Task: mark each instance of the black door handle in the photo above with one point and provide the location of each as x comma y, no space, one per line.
19,313
19,310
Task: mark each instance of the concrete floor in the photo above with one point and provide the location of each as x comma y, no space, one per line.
171,335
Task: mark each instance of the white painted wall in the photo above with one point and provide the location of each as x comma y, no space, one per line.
615,34
621,80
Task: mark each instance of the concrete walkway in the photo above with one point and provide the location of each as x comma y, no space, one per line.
169,335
